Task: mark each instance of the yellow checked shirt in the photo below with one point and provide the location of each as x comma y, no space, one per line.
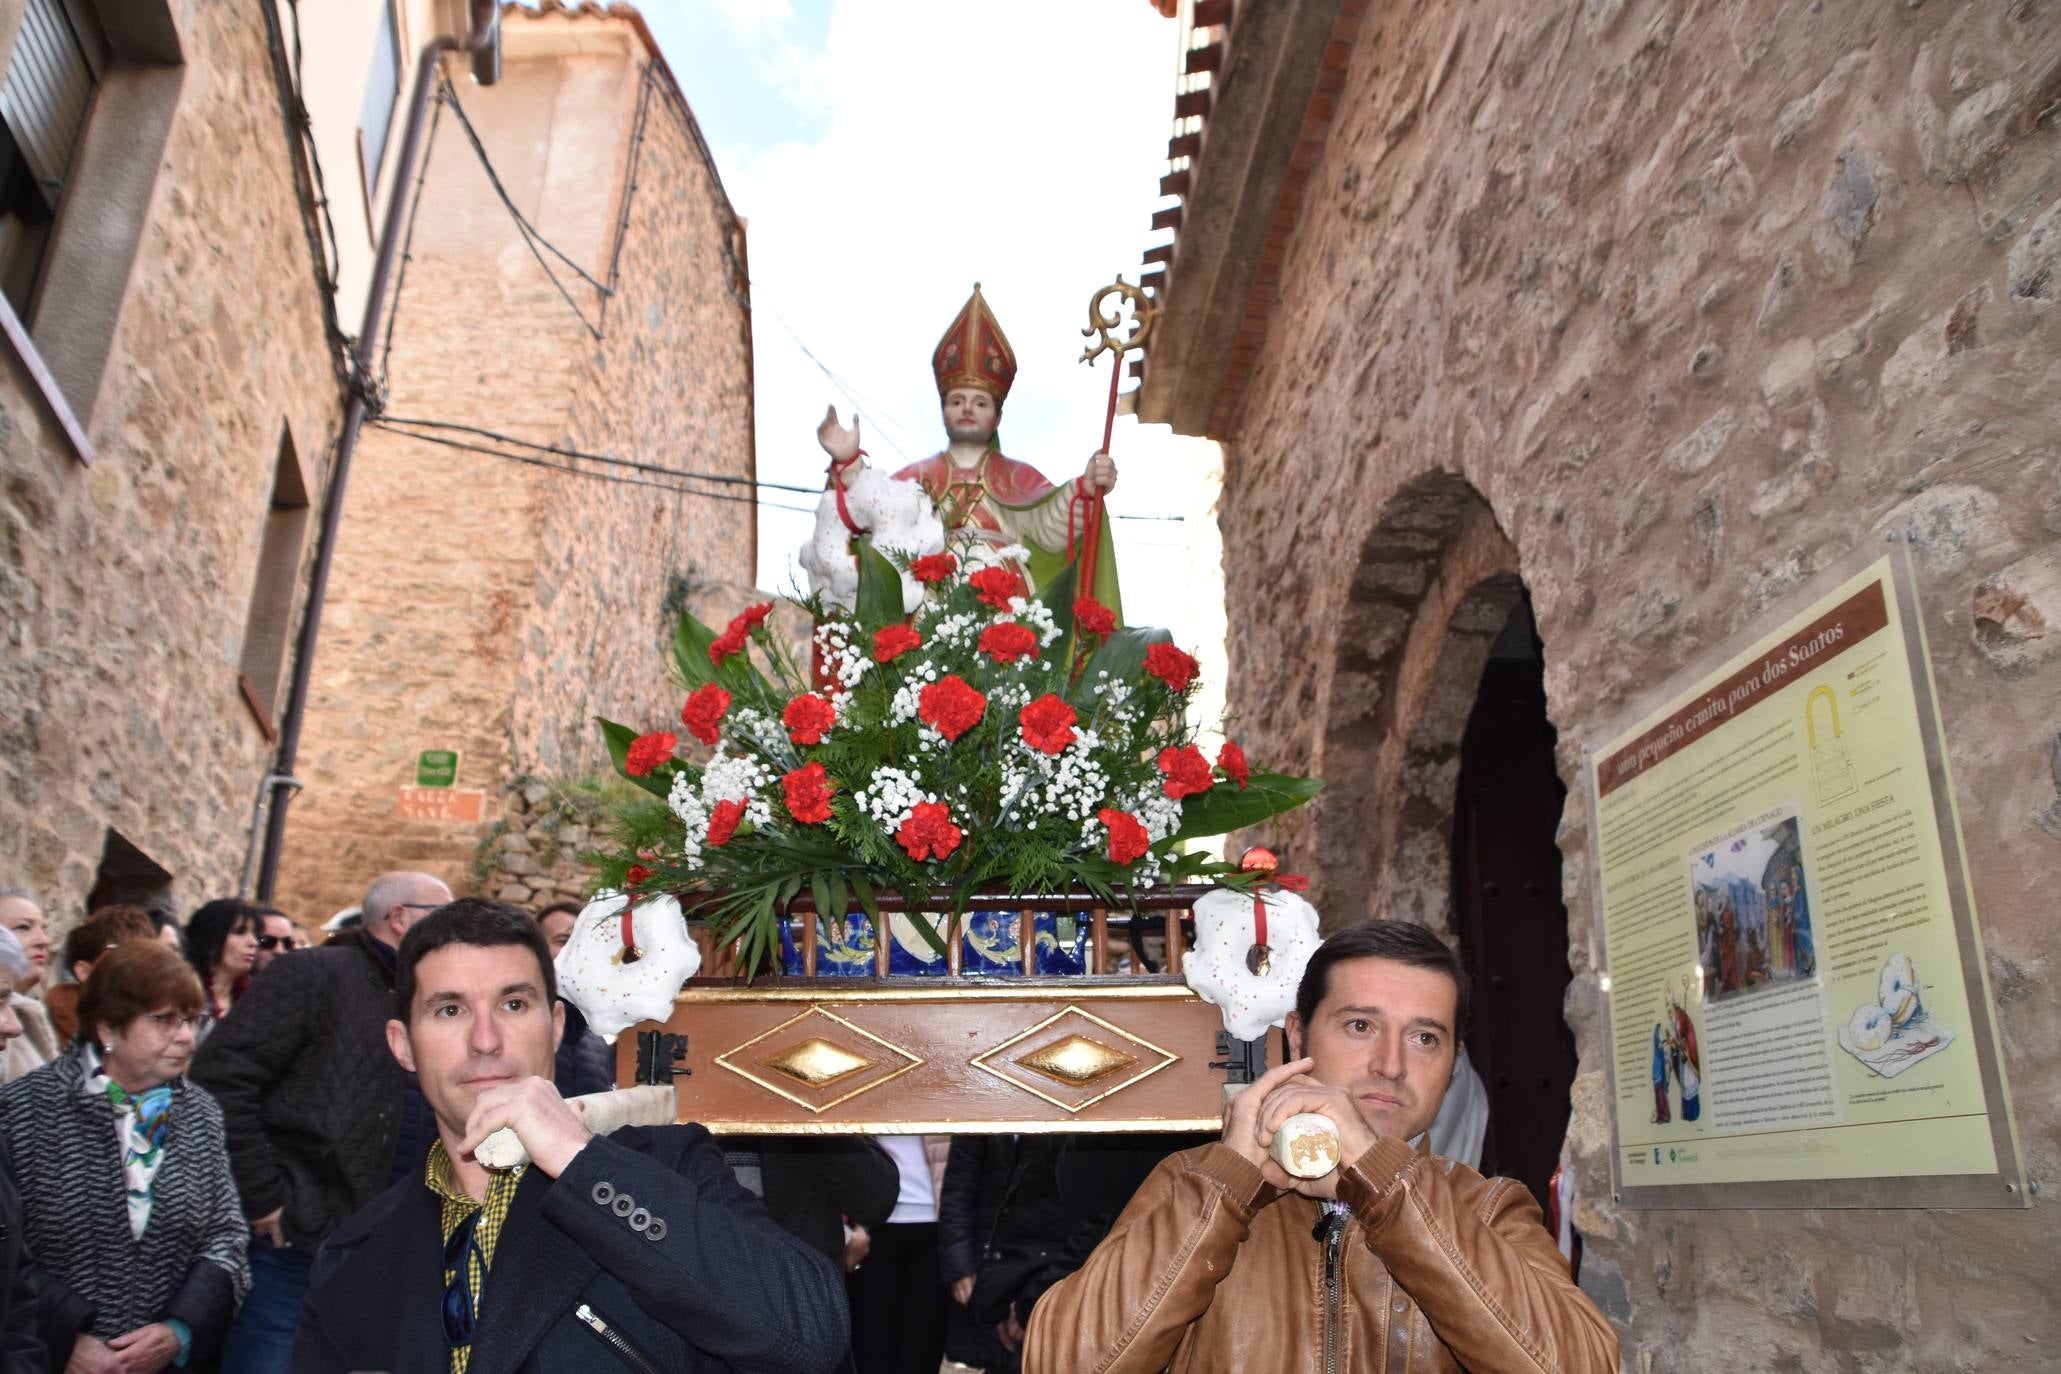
457,1206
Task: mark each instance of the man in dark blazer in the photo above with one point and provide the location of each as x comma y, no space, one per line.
637,1251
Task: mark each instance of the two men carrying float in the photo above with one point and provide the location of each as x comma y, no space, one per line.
893,778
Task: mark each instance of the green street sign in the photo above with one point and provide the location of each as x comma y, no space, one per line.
436,768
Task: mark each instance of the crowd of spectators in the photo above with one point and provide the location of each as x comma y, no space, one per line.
248,1104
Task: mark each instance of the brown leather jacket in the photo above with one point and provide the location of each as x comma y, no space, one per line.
1212,1269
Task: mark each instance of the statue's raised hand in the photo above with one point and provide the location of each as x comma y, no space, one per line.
840,443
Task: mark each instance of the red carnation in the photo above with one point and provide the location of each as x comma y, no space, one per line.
722,822
807,790
807,717
753,616
1187,772
704,709
933,567
1127,838
1171,666
1231,759
890,642
728,643
1047,724
997,585
637,873
647,752
1009,641
1091,617
950,705
929,832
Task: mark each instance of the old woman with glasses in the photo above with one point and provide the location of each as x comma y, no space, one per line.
155,1266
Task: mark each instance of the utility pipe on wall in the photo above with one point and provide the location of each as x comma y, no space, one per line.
483,43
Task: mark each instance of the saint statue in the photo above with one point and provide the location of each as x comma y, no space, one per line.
975,486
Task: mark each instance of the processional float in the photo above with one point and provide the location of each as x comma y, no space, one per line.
940,864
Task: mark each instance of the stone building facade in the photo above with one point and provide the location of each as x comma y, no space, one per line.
1628,317
166,411
493,603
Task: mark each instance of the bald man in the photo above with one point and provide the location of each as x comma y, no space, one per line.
321,1119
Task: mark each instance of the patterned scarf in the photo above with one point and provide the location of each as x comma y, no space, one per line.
141,1122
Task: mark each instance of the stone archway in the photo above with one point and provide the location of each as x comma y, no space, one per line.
1436,582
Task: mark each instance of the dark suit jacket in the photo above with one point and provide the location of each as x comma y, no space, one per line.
813,1187
21,1349
708,1283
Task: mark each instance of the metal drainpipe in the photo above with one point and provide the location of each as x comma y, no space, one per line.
484,44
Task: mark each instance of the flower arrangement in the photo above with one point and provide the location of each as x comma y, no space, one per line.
993,739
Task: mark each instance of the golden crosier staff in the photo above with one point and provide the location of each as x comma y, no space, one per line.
1103,329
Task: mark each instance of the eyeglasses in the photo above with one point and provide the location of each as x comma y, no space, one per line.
170,1021
275,942
458,1253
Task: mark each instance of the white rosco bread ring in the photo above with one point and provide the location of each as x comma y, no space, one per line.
1306,1146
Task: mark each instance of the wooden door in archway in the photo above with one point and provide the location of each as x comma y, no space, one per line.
1507,910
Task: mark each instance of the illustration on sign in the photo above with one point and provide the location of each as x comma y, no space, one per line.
1753,916
1894,1032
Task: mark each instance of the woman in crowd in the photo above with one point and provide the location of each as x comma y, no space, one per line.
83,946
152,1269
37,1043
222,946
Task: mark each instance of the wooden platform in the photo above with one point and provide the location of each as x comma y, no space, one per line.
907,1056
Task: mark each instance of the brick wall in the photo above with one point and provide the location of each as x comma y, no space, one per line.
492,607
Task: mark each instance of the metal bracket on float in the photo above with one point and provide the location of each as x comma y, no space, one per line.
658,1057
1243,1061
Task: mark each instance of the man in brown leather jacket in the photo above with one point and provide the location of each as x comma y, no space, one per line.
1398,1262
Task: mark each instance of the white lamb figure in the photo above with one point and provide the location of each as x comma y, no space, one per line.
898,516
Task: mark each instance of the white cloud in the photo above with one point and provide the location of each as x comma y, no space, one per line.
1016,146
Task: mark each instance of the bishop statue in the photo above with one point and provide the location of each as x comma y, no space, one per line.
974,485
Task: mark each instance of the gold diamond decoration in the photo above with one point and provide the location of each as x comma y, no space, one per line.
818,1063
1074,1059
1077,1060
817,1059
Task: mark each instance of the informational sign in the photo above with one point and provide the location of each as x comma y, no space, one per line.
462,805
1797,1002
436,768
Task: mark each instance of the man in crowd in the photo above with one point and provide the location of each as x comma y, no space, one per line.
1395,1261
636,1250
320,1118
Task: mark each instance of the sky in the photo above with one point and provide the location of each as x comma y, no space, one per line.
888,154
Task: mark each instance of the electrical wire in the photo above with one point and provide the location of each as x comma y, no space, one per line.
531,236
851,392
571,471
413,429
724,478
312,199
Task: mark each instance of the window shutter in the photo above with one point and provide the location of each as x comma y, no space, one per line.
48,88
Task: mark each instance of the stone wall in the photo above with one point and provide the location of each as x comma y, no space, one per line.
492,606
125,586
1661,308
